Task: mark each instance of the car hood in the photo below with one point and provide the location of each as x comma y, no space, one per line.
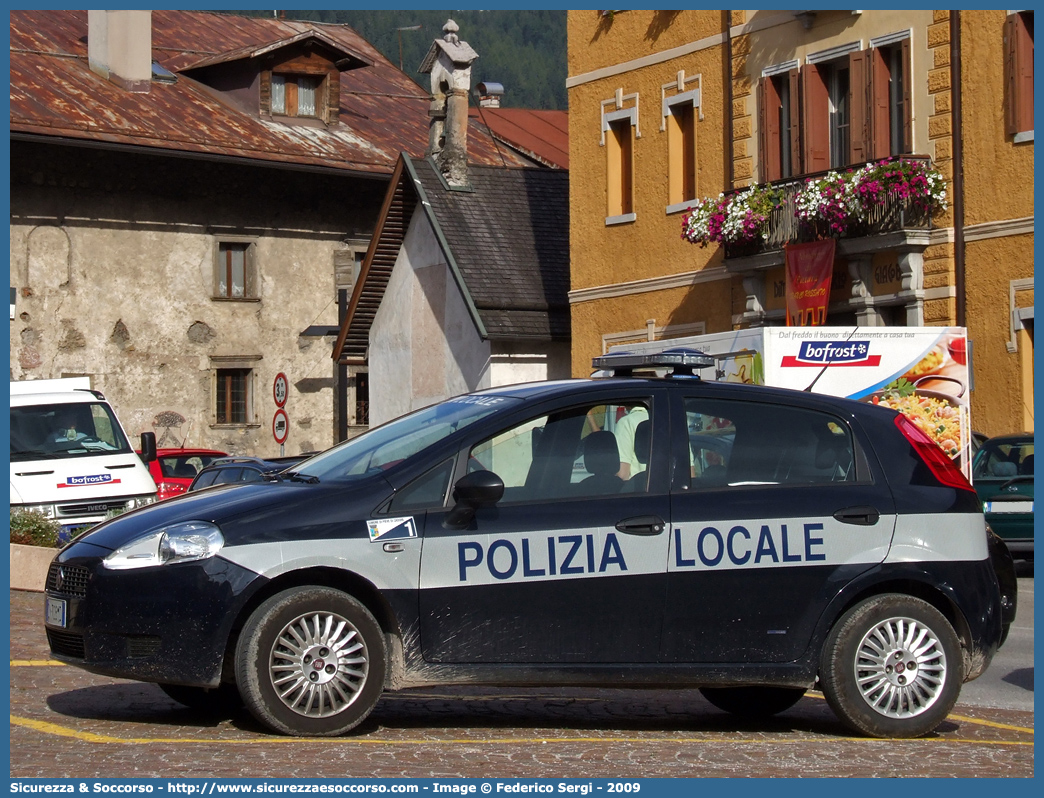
246,512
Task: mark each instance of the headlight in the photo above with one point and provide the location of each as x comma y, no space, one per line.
46,510
184,542
141,501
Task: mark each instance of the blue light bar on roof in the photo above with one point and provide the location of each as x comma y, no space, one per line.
680,360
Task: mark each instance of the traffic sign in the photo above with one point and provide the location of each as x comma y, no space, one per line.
280,426
280,389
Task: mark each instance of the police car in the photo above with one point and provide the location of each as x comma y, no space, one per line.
635,530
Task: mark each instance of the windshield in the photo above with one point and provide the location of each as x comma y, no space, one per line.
385,446
81,429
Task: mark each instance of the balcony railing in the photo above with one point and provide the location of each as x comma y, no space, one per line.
783,226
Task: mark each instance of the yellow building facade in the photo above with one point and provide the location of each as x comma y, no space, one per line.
666,107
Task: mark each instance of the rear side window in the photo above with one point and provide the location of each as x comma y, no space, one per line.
734,444
227,475
205,480
1005,460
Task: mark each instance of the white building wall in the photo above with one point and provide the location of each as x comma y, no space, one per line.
424,346
529,362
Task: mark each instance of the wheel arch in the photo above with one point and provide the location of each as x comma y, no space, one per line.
349,582
917,585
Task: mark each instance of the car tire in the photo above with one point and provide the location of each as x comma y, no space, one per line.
753,702
311,661
867,660
216,700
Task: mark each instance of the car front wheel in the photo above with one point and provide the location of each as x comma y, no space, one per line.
892,667
311,662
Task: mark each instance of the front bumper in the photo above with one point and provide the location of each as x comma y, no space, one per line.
167,624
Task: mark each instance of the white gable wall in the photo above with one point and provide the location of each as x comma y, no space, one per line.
515,362
424,346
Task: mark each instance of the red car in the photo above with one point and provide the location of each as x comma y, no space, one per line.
174,469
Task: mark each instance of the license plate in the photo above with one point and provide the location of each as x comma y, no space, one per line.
1009,507
56,612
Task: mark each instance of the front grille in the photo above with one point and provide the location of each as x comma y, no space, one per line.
68,644
99,507
68,580
142,646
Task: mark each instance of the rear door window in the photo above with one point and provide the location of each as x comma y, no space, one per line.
749,443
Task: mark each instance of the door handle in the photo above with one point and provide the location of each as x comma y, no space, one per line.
862,515
641,525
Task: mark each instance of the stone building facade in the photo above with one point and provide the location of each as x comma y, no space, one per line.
192,195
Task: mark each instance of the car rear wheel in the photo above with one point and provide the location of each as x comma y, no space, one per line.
892,667
753,702
311,662
222,699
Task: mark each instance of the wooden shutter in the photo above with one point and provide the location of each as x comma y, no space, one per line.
815,102
880,132
907,96
291,97
796,155
1019,74
858,131
769,131
1011,73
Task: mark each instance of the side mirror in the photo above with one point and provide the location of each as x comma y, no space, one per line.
472,491
148,447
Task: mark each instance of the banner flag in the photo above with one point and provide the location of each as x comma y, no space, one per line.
809,267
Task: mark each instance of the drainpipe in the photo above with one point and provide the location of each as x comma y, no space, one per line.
730,146
958,166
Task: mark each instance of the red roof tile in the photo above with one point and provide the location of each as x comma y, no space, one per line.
540,135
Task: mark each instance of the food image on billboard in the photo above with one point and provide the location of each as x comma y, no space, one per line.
922,372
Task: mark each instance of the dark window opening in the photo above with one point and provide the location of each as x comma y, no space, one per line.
840,115
233,393
362,398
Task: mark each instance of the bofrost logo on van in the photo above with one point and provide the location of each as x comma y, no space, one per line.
90,479
832,353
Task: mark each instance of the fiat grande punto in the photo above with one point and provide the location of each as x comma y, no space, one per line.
648,528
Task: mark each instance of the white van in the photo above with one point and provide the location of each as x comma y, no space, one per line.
70,458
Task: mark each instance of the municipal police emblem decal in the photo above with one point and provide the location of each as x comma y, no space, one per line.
382,529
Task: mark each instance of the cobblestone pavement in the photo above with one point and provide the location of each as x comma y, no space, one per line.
65,722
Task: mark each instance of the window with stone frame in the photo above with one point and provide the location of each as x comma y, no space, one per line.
1018,42
680,122
234,270
234,396
618,133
